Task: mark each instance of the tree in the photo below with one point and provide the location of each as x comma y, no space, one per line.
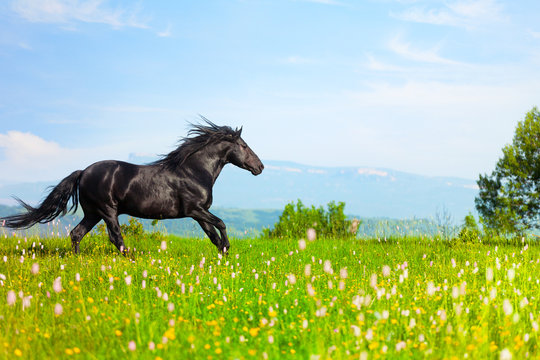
297,218
509,200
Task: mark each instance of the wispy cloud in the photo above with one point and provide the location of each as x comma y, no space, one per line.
457,13
324,2
73,11
166,33
297,60
405,50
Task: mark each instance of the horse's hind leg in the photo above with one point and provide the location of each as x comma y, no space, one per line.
115,235
86,224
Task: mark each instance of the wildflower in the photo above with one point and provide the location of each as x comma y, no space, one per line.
270,339
431,289
328,267
373,281
302,244
18,352
292,279
77,277
57,285
343,273
152,346
35,268
58,309
128,280
507,307
489,274
311,234
11,297
163,245
170,307
307,270
511,274
505,354
254,331
132,345
386,271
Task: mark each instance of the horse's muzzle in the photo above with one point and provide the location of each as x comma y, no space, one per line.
257,169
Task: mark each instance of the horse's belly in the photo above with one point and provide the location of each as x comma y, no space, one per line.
151,208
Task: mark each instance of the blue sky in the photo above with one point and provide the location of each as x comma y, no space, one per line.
430,87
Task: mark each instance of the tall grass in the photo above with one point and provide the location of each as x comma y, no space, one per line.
329,298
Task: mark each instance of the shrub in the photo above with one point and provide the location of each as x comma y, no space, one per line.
469,233
297,218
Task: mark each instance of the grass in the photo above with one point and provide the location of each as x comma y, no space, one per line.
338,299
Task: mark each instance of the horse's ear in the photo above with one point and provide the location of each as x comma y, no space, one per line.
239,131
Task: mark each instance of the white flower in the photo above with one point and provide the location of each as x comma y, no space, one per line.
328,267
511,274
128,280
505,354
35,268
507,307
132,346
386,271
301,244
170,307
431,289
489,274
343,273
163,245
58,309
57,285
292,279
311,234
11,297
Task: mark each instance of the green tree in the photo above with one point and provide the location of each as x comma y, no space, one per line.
297,218
508,200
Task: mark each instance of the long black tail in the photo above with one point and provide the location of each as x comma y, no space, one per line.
55,203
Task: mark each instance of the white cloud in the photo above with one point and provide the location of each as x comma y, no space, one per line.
464,13
26,157
405,50
69,11
166,33
324,2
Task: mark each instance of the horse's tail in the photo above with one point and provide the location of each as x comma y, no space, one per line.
55,203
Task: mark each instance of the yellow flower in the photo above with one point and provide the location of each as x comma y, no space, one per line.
76,350
207,346
218,351
191,339
18,352
254,331
69,351
118,333
252,352
169,334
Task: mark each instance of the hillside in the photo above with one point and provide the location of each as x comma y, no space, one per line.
368,192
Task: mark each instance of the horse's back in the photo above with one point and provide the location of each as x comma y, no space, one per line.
137,190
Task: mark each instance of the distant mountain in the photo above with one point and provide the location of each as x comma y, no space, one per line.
367,192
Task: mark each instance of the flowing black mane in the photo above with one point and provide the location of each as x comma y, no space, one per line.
198,137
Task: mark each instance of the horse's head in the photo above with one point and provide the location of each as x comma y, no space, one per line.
241,155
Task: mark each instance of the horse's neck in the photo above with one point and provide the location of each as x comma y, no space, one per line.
210,164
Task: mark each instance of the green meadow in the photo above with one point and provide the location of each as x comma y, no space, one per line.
177,298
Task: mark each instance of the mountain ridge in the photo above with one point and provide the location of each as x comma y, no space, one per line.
367,191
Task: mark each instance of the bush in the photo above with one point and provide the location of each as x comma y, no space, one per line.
469,233
297,218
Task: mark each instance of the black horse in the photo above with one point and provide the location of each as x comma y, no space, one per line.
176,186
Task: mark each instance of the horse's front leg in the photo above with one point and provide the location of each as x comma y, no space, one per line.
209,223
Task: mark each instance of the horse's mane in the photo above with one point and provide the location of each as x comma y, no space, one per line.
199,136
